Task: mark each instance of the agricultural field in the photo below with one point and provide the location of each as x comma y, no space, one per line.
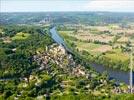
109,42
117,57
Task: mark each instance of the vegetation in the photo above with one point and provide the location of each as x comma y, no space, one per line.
21,36
102,48
34,67
16,56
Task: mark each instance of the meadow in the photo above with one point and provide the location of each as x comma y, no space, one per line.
102,41
21,36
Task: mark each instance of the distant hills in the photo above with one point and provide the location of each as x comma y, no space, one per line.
90,18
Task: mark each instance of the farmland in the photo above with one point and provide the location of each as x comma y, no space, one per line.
109,43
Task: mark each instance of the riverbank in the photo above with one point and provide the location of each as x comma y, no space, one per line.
118,75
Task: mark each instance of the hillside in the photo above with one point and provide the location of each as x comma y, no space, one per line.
34,67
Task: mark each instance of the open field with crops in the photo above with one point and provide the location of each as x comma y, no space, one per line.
110,42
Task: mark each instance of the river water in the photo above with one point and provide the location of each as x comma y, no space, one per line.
118,75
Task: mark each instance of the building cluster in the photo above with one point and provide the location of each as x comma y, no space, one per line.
56,54
118,90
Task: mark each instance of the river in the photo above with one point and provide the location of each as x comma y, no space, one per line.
118,75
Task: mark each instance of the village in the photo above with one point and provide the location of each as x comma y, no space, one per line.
65,64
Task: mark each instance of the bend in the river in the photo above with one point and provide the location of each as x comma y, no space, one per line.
118,75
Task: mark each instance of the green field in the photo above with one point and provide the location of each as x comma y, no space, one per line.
66,32
111,56
117,57
79,44
89,47
21,36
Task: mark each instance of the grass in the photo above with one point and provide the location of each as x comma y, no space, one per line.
123,40
1,31
87,46
111,55
66,32
113,26
116,50
117,56
21,36
41,49
80,45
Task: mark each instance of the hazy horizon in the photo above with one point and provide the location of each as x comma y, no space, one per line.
67,6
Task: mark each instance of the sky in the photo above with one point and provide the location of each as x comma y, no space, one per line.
66,5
